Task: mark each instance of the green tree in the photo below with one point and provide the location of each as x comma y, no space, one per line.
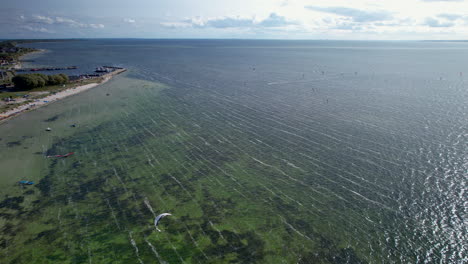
34,80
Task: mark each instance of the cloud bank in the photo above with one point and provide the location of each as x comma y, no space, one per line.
272,21
356,15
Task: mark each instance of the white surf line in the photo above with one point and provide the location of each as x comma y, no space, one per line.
279,102
371,183
217,230
313,189
149,131
199,205
284,174
113,214
120,179
210,162
323,145
173,248
132,241
294,229
370,200
248,155
89,255
293,165
346,219
155,252
59,218
168,196
349,173
195,242
300,81
181,185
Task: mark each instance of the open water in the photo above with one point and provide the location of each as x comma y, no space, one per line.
262,151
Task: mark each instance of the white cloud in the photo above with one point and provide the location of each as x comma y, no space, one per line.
56,20
442,0
356,15
272,21
37,29
432,22
96,25
43,20
129,20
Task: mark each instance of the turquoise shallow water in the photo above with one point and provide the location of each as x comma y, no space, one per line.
263,151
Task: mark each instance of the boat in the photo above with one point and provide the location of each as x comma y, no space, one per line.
26,182
48,129
102,69
61,156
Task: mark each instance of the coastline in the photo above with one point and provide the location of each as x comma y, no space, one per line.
4,116
19,64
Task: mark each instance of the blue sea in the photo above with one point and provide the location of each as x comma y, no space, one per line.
263,151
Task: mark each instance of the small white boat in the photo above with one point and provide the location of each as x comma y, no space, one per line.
48,129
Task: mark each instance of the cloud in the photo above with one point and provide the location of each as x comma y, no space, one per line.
129,20
275,20
431,22
272,21
42,20
67,21
442,0
37,29
450,17
37,20
348,26
285,3
174,25
96,25
355,14
228,22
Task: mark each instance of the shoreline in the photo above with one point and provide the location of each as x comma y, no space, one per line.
19,64
7,115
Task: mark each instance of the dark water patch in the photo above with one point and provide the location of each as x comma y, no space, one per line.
57,258
247,247
4,243
48,236
329,252
76,164
80,258
6,216
44,185
283,206
344,255
28,192
51,119
12,203
9,229
12,144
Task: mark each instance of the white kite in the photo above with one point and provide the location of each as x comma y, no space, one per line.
158,218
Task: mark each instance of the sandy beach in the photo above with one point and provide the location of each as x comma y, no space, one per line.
55,97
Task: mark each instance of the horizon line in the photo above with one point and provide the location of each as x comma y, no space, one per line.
277,39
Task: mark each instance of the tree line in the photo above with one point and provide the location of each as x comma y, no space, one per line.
35,80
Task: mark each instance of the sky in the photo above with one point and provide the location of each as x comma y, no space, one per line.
244,19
